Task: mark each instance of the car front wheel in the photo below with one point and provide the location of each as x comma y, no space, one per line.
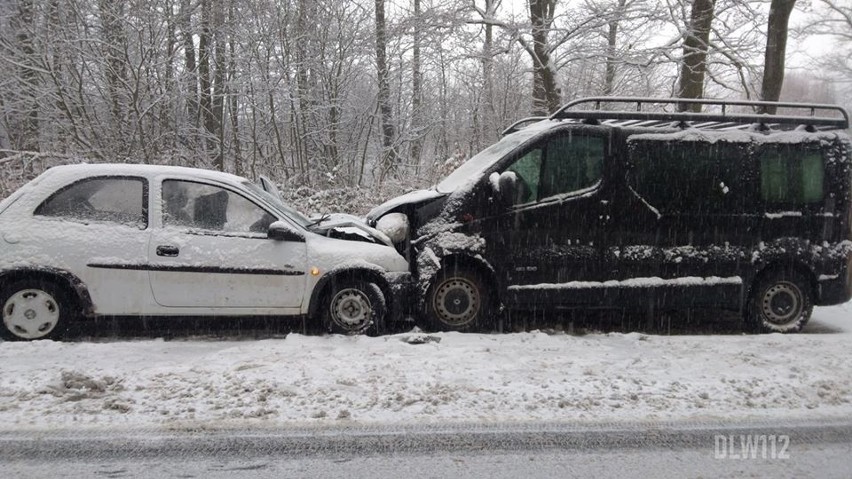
33,310
354,307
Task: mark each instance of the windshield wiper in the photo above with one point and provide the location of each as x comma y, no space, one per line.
322,218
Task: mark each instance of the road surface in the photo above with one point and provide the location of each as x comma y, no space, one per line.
677,449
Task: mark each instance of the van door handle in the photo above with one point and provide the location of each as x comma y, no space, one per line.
167,250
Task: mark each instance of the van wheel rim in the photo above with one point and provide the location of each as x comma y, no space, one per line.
31,314
782,303
351,309
457,301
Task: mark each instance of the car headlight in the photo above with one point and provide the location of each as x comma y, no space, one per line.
395,226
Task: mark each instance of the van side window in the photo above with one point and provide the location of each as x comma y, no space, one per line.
571,163
565,164
690,177
527,169
791,175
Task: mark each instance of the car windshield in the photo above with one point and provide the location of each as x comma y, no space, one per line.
475,166
279,205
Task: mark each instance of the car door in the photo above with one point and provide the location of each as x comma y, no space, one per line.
211,250
97,229
552,232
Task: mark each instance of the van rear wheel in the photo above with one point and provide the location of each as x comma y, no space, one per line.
457,300
781,302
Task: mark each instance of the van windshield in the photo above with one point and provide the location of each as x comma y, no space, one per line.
475,166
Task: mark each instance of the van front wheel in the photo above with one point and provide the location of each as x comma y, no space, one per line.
780,303
458,300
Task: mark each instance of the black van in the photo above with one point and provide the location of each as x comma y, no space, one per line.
595,207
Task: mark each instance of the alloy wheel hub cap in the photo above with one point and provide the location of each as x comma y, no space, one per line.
30,314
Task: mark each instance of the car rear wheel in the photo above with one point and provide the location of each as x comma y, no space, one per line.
34,309
457,300
354,307
780,303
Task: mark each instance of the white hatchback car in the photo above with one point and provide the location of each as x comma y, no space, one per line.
141,240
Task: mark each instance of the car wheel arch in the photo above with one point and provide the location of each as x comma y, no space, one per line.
76,288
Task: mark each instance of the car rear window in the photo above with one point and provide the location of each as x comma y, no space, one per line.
104,199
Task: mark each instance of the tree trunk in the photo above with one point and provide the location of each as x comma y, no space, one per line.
191,68
416,86
389,157
21,22
217,117
546,94
612,42
205,100
776,49
695,45
491,127
232,96
111,16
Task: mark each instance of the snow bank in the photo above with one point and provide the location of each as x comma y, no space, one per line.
437,378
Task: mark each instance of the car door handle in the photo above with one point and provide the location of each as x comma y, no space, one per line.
167,250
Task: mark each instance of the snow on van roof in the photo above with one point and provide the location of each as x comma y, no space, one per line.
738,136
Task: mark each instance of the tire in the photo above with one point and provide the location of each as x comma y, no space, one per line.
35,309
780,302
352,307
457,300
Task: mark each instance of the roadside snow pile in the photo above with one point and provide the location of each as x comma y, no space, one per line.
415,377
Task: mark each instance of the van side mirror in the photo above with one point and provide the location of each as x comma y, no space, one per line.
506,187
280,231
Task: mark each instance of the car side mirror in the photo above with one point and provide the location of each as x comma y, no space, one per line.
280,231
507,185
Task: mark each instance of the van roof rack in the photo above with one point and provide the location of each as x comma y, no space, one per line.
517,125
650,112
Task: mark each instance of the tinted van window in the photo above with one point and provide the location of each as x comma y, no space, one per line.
691,177
564,164
791,175
572,163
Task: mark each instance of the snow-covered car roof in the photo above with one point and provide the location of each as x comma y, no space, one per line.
150,171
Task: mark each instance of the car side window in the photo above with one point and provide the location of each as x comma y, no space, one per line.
112,199
205,207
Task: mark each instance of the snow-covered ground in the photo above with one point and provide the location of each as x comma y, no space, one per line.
303,380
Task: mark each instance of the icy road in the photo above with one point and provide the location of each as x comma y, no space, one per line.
307,381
